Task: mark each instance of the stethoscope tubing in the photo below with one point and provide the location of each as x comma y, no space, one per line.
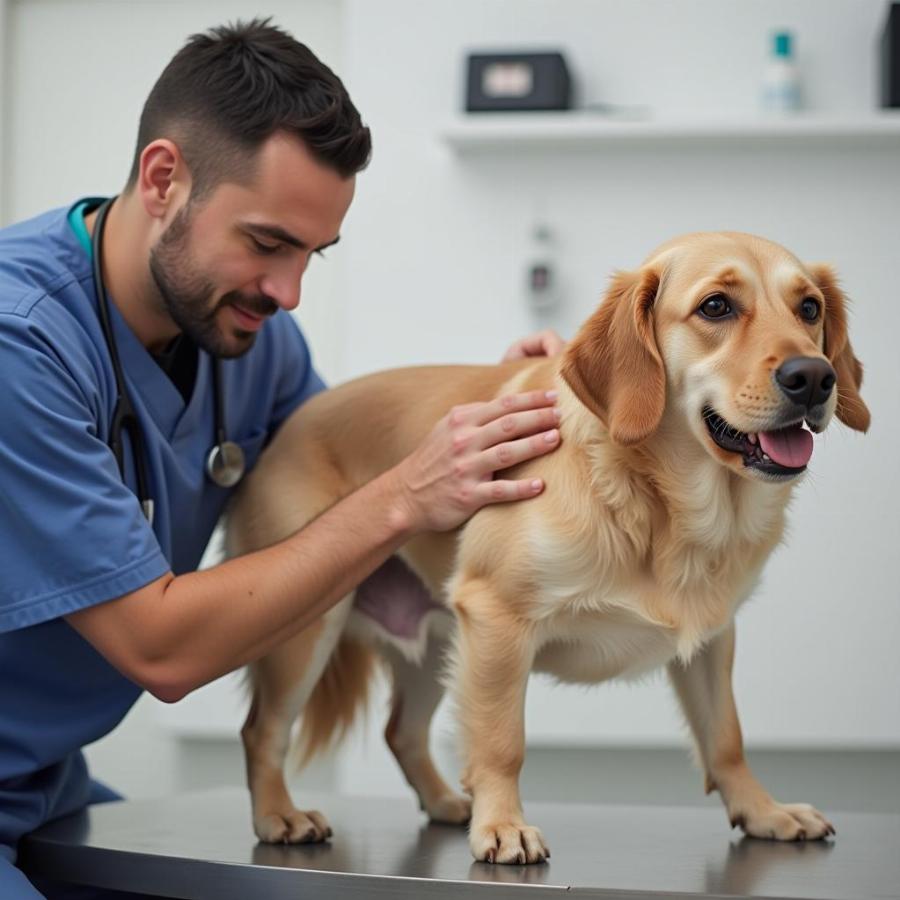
225,462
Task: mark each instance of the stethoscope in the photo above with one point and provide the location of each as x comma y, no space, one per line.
225,464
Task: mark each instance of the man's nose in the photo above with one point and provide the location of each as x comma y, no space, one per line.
284,292
283,286
806,380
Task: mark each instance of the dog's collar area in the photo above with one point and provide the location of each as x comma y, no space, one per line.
752,446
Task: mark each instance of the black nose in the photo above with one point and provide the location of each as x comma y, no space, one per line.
806,380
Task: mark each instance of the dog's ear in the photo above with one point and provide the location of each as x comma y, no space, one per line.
851,409
613,364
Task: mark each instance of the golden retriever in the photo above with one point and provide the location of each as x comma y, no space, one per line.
685,400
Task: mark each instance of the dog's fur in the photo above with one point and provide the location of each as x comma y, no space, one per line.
646,540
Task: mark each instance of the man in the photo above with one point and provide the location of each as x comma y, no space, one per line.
245,167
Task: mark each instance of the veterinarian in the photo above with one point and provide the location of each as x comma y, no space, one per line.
147,355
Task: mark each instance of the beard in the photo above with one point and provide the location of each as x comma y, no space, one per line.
188,295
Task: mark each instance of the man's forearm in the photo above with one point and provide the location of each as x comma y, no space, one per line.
216,620
178,633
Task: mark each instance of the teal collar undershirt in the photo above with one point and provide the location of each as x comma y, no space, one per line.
76,221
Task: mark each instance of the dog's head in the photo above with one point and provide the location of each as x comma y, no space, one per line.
746,342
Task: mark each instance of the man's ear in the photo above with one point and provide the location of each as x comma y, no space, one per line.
613,364
163,181
851,409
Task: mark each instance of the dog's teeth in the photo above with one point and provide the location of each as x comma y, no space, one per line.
766,457
751,437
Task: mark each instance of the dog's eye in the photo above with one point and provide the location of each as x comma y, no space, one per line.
715,306
810,309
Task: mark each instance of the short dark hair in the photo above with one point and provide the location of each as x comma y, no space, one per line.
229,89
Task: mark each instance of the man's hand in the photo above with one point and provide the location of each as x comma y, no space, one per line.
451,474
544,343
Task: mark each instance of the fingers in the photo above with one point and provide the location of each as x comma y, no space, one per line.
506,491
549,343
505,432
544,343
512,426
482,413
450,475
506,455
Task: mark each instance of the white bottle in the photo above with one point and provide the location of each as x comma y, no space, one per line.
781,81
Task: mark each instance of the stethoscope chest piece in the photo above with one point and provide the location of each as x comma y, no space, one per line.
225,464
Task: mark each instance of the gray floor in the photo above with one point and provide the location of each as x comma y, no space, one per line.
833,780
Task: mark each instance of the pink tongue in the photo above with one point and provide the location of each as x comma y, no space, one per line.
791,447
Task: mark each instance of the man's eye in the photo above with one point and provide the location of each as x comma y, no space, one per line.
715,307
265,249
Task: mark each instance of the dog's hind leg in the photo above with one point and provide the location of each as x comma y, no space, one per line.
417,690
282,683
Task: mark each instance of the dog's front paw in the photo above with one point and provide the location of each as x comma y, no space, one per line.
509,843
450,809
783,822
292,826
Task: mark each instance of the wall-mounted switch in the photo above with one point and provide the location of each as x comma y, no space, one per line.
541,271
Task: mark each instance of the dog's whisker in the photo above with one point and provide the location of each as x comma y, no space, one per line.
850,400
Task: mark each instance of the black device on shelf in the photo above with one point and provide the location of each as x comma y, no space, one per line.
890,58
498,82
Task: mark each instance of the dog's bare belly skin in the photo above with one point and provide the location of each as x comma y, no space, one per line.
688,402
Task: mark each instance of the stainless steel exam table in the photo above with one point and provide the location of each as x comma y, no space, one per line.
202,846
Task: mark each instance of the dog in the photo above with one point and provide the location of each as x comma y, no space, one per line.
687,404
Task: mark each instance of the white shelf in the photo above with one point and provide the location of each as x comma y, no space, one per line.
477,132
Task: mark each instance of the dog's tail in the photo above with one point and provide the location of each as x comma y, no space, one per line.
339,694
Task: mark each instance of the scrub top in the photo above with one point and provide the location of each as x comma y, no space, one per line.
72,534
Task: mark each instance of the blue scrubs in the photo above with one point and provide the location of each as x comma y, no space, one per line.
72,534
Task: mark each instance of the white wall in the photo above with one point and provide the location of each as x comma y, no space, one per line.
430,269
4,91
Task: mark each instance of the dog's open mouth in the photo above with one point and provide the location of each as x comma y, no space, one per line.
784,451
